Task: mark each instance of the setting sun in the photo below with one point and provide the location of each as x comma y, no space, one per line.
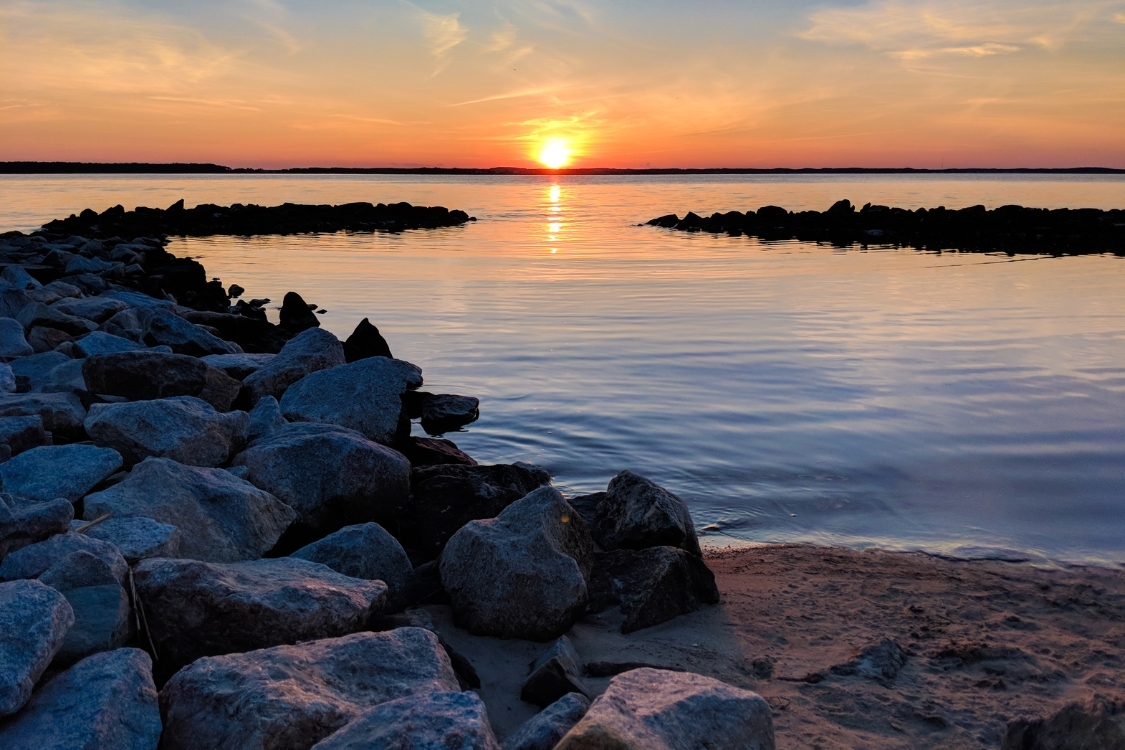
555,153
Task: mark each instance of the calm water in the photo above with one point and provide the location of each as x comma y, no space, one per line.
955,403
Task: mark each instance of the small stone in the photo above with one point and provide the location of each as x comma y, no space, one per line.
544,730
51,471
425,721
881,661
34,619
554,674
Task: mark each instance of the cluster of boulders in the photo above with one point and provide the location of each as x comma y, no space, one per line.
1010,229
216,532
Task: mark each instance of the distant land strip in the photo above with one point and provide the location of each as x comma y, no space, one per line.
65,167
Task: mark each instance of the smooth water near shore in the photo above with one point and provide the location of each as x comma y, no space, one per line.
952,402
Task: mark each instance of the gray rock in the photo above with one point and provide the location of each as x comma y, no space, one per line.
34,372
880,661
554,674
130,319
100,342
12,341
330,475
50,471
62,414
38,314
137,538
265,418
12,301
105,701
365,396
307,352
66,378
80,265
62,289
229,519
197,609
146,375
138,300
1097,724
544,730
36,559
7,379
239,366
652,585
364,551
183,428
34,619
442,413
97,309
100,604
18,277
44,339
23,524
521,574
165,327
637,513
424,721
653,709
294,696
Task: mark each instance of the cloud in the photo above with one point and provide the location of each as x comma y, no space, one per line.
1120,18
502,38
443,32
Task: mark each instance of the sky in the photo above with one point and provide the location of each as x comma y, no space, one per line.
710,83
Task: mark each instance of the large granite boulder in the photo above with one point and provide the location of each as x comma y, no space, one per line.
266,418
146,375
554,674
100,604
544,730
39,315
238,366
365,341
34,372
197,609
253,336
105,701
447,496
229,518
136,538
294,696
183,428
24,523
331,476
652,585
423,721
163,327
638,513
34,619
100,342
13,343
654,709
97,309
521,574
364,396
51,471
305,353
23,433
36,559
62,413
364,551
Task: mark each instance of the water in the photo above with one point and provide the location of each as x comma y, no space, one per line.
962,404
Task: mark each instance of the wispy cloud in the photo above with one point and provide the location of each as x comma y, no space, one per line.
1120,18
443,32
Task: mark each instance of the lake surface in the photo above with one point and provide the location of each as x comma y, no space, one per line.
962,404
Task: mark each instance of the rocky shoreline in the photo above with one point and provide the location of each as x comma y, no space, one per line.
1009,229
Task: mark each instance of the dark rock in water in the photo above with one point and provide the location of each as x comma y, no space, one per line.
100,604
36,559
236,291
365,341
444,412
254,336
62,413
544,730
881,661
434,452
1099,724
197,609
650,709
147,375
34,619
448,496
652,585
136,538
26,523
295,314
238,366
364,551
105,701
638,513
294,696
23,433
554,674
305,353
421,722
52,471
485,568
587,507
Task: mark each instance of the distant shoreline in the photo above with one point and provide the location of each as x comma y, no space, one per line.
41,167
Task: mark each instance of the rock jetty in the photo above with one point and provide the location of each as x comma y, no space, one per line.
1009,229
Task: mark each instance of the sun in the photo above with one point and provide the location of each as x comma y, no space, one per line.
555,153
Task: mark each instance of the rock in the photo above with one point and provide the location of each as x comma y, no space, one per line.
12,341
37,314
544,730
363,396
330,476
448,496
183,428
434,452
36,559
444,413
652,585
34,619
100,342
12,301
62,289
265,418
7,379
136,538
363,551
97,309
295,314
638,513
66,378
100,604
521,574
238,366
587,505
252,335
62,414
51,471
47,339
365,341
197,609
23,524
34,373
1098,724
305,353
167,328
424,721
16,276
294,696
80,265
653,709
229,519
149,375
554,674
881,661
105,701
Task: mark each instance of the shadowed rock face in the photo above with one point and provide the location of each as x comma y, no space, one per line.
637,513
652,585
545,729
307,352
24,523
1099,723
422,721
34,619
363,551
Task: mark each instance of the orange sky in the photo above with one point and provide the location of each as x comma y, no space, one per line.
268,83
